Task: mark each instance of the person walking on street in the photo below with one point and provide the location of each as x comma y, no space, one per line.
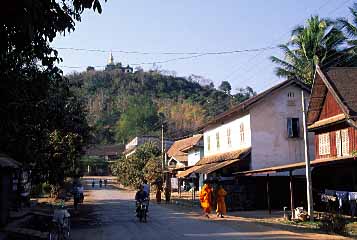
81,193
167,194
105,183
221,205
158,194
76,196
206,199
100,183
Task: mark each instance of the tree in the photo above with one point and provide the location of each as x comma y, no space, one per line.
319,42
43,122
244,94
350,29
143,164
139,118
225,87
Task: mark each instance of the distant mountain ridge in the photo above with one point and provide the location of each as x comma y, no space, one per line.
116,99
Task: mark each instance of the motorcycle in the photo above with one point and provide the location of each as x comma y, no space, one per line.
142,207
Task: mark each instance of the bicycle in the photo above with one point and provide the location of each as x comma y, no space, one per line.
61,225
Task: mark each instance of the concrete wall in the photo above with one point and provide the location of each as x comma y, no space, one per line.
194,156
270,143
236,143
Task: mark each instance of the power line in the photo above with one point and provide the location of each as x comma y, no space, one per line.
168,53
233,73
188,57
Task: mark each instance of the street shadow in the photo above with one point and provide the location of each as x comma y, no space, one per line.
173,221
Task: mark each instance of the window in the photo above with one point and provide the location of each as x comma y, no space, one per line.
324,144
208,143
293,128
342,143
241,130
229,140
291,95
217,140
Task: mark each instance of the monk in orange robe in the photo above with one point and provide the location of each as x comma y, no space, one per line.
221,205
206,199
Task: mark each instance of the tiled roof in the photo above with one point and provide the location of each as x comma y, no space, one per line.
223,157
344,81
179,145
341,82
298,165
105,150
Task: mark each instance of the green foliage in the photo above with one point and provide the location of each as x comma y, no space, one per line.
43,123
184,103
143,164
225,87
319,42
140,117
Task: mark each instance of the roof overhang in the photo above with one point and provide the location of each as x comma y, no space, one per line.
294,166
340,118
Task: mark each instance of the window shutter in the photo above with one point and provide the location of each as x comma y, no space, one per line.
241,133
338,143
290,128
324,144
345,142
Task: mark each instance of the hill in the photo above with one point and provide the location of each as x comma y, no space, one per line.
121,105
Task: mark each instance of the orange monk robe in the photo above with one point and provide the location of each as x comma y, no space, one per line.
221,205
206,198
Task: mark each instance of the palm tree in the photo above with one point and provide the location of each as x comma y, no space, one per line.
350,28
319,42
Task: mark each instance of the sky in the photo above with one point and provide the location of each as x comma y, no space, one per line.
183,26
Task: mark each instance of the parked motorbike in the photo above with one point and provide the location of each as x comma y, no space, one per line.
142,210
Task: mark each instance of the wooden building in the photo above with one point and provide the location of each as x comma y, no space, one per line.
332,116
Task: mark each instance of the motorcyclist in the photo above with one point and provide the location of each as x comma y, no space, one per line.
140,197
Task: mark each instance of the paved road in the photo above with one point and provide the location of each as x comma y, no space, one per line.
114,210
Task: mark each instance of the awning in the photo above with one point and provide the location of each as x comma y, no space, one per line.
187,172
294,166
208,168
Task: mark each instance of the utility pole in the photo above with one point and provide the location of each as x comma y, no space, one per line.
162,152
310,207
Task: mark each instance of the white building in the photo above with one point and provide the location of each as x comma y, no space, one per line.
185,152
136,142
263,131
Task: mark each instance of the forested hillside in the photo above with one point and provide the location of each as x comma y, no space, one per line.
122,105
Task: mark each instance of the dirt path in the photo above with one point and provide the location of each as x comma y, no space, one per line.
115,213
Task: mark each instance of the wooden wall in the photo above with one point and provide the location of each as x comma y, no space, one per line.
330,107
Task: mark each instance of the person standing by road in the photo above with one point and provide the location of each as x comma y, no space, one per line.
221,205
167,194
206,199
158,194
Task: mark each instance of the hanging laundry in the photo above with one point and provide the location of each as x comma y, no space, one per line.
327,198
352,196
341,195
